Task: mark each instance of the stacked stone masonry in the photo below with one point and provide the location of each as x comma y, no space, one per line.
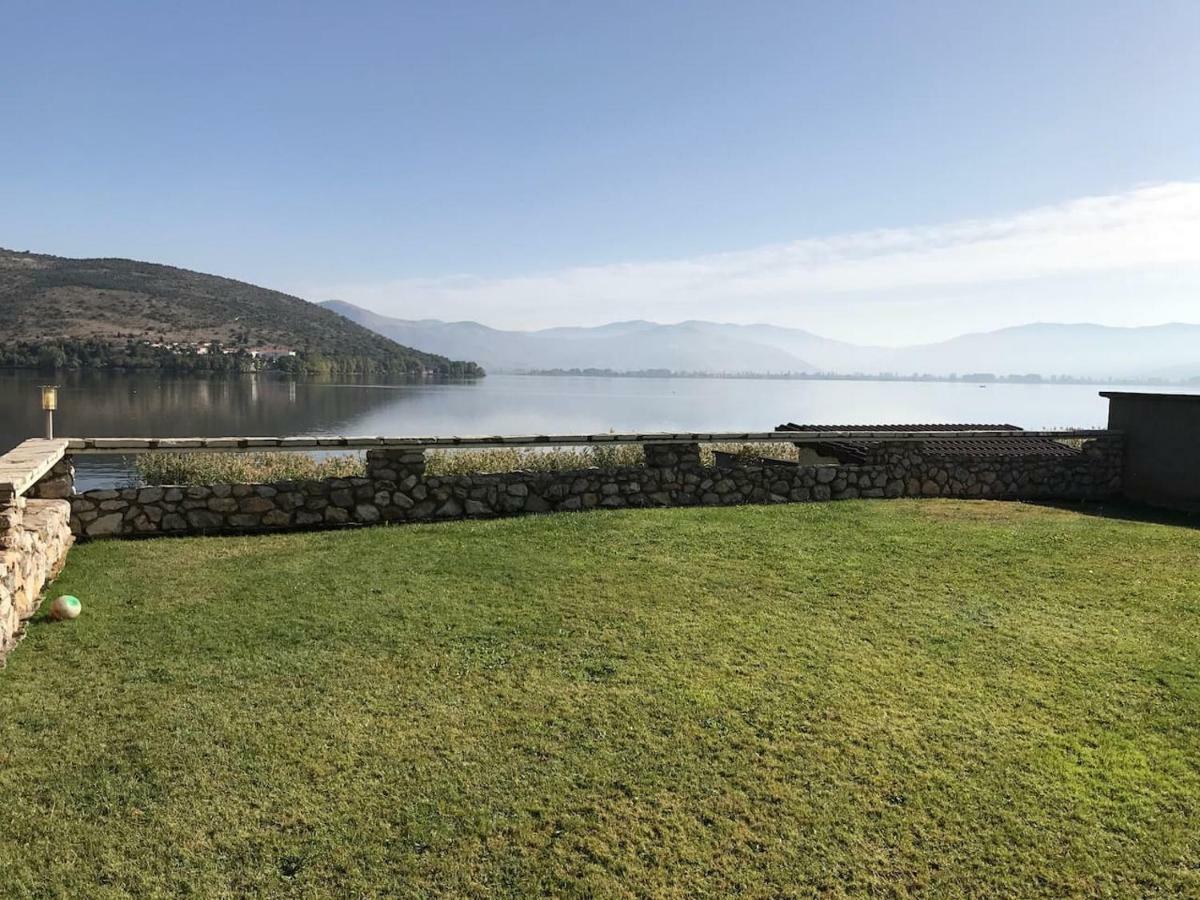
396,489
34,538
58,483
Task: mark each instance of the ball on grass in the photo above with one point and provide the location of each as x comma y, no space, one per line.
65,607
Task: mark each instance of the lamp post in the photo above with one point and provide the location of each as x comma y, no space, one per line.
49,404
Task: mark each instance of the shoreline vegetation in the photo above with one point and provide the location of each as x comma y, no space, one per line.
953,377
257,468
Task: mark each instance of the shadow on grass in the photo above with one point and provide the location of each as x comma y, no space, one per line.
1127,512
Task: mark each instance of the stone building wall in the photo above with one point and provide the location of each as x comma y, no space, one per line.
34,538
396,489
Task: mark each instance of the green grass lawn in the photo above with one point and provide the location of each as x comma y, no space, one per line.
891,697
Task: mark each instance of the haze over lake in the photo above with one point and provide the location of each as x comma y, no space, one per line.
106,404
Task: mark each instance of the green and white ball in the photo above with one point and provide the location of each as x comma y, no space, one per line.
65,607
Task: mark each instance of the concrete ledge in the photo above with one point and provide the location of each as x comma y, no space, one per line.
256,444
23,466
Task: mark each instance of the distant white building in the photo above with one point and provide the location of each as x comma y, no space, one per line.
269,352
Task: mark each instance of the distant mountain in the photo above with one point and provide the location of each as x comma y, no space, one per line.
82,311
1159,351
1091,351
622,346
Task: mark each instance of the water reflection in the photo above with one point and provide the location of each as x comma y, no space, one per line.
137,405
143,405
111,405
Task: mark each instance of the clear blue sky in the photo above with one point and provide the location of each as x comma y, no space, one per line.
305,145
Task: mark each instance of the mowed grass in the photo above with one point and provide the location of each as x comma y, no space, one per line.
889,698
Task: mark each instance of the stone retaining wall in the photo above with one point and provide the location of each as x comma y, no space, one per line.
396,489
34,538
1093,474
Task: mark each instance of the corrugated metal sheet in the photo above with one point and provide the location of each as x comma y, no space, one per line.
1017,445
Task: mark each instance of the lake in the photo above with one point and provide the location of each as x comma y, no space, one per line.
103,404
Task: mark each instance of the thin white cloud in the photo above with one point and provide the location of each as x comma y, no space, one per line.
1152,229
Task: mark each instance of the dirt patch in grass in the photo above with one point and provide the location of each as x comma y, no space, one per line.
987,511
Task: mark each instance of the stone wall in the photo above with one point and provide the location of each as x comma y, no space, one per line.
57,484
396,489
34,538
1093,474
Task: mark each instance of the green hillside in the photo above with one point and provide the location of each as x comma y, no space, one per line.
100,313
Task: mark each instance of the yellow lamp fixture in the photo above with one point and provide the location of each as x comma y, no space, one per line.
49,404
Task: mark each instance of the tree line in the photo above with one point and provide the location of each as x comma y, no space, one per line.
95,353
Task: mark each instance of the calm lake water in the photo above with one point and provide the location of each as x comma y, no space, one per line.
111,405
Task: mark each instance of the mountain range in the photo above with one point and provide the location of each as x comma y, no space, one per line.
107,312
1170,351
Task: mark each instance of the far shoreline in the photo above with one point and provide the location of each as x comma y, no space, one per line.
982,379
